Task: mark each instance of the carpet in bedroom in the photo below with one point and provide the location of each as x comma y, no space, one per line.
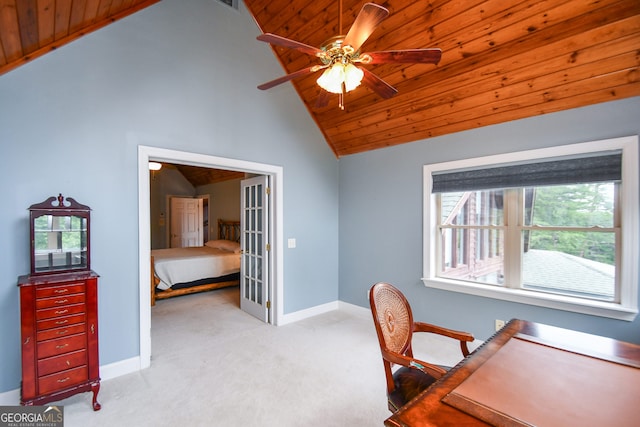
214,365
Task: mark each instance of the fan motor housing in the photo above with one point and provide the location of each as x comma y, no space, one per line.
334,51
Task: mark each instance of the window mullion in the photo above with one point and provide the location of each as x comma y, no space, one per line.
513,202
617,225
436,266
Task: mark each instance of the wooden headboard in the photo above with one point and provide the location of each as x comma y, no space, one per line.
229,230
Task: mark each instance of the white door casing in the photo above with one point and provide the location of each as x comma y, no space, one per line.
256,247
148,153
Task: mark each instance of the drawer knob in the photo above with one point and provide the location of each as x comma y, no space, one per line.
61,311
62,322
64,331
63,380
62,346
61,301
61,291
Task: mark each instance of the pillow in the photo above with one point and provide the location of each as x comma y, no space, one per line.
225,245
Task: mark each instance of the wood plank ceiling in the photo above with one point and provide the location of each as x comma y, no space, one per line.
501,61
32,28
198,176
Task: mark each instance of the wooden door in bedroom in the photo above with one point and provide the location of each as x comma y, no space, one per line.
256,247
186,222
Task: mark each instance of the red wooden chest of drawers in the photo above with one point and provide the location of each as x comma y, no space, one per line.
59,329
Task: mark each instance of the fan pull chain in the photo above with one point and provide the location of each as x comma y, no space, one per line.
341,94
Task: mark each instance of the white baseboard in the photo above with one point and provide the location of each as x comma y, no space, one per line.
325,308
356,310
127,366
107,372
10,398
308,312
122,367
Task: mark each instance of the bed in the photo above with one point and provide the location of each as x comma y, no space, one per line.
182,271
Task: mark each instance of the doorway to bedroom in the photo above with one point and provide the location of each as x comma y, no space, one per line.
272,211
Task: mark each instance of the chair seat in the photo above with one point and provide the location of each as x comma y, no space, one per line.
409,383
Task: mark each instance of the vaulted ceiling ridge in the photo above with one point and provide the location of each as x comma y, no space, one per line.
299,24
267,13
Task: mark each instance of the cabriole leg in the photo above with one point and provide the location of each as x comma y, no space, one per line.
95,388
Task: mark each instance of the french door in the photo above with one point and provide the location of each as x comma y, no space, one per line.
254,270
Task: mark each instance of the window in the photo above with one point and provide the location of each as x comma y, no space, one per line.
556,227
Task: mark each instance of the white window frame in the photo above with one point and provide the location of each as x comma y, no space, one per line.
625,309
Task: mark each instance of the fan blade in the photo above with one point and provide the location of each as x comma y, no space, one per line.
379,86
409,56
323,98
367,20
286,78
285,42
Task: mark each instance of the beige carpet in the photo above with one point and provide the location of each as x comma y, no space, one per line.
214,365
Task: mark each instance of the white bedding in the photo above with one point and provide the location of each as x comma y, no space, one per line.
181,265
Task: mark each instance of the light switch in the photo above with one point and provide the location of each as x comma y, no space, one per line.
291,243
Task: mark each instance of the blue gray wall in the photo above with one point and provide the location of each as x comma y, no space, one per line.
180,75
164,183
224,203
381,217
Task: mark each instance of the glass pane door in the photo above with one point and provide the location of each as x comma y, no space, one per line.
254,283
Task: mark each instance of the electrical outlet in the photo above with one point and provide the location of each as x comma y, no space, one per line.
499,324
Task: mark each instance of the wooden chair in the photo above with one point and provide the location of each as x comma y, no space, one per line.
395,327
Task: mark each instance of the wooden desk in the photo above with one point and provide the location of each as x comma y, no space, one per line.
532,374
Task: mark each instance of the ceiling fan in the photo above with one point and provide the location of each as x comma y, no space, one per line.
340,54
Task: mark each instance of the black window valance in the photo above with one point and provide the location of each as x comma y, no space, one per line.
599,168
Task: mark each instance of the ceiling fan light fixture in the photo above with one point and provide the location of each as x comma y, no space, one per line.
340,54
352,77
333,77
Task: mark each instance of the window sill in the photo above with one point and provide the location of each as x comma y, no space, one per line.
557,302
